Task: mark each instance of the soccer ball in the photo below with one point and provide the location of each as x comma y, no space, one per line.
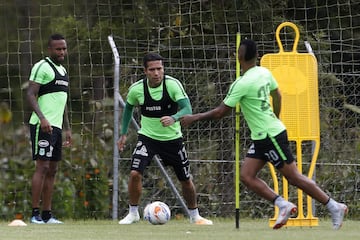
157,213
146,212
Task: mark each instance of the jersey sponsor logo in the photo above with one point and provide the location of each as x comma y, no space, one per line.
153,108
62,82
43,143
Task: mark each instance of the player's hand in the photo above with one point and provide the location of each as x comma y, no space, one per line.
45,126
186,120
167,121
68,138
121,143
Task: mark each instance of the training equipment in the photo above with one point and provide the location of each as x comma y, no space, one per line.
297,76
237,142
17,223
157,213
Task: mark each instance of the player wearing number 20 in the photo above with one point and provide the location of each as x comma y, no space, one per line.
270,142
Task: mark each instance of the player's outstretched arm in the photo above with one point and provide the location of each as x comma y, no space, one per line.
214,114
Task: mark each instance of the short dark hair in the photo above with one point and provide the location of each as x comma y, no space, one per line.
251,49
55,36
151,57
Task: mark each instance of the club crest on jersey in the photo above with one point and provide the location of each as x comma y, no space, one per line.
43,143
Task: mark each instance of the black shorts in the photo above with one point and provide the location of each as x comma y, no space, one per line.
171,152
45,146
272,149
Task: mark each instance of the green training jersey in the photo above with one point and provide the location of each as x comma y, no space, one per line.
151,126
52,102
252,91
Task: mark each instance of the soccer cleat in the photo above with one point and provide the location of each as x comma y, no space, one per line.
53,220
201,221
284,213
130,218
338,214
36,219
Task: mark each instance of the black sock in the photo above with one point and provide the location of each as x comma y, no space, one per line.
35,212
46,215
275,198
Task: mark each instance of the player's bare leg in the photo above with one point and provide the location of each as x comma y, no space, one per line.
48,189
248,175
189,194
295,178
37,184
337,210
134,189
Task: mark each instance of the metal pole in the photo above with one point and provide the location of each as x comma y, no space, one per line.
115,196
309,50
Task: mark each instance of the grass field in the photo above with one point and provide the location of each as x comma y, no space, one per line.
223,229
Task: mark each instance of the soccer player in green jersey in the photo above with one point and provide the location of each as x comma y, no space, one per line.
47,95
270,142
162,100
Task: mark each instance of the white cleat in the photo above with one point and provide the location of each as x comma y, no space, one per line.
130,218
338,214
36,220
201,221
284,213
53,220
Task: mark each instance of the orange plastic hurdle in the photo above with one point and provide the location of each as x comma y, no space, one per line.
297,75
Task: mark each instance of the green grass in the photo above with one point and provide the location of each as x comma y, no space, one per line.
223,229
